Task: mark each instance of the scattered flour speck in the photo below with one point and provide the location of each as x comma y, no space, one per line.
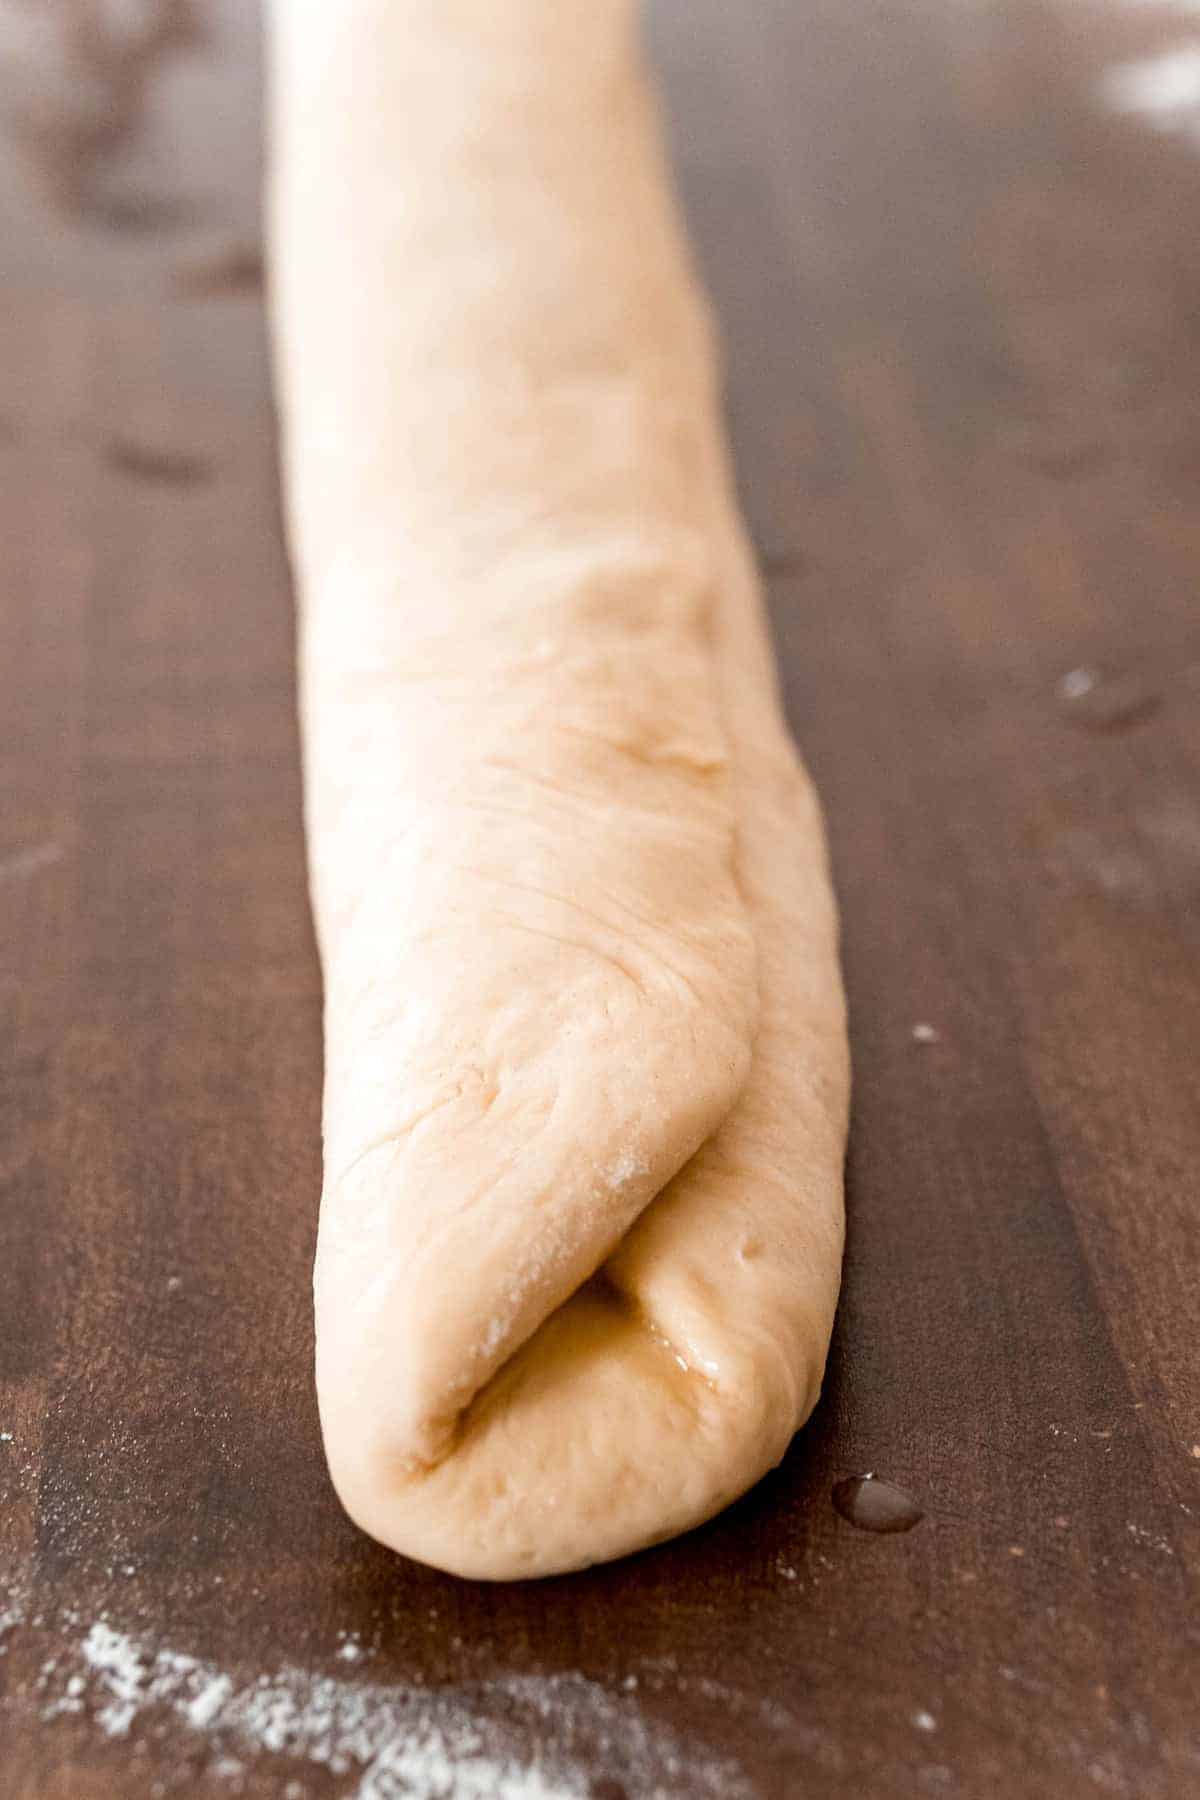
1142,1536
627,1167
209,1701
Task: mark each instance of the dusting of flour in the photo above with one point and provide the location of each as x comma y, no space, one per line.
625,1169
517,1738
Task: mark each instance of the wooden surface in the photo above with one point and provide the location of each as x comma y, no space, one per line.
958,265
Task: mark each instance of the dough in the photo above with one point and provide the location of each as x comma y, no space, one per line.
586,1076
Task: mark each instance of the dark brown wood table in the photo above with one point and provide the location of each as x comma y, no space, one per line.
956,251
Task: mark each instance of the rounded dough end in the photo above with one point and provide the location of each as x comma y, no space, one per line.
592,1442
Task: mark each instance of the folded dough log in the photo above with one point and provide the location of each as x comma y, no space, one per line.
586,1074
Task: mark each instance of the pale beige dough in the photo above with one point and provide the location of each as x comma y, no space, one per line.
586,1075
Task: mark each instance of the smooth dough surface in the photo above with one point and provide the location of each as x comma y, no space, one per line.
586,1075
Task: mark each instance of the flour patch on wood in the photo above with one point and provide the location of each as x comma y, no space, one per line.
517,1738
11,1615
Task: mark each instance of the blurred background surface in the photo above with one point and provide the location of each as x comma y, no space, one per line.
954,245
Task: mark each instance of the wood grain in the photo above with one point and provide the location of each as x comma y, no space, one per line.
961,297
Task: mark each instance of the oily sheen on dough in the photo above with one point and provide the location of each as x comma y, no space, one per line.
586,1074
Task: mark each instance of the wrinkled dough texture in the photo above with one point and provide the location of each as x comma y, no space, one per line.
585,1061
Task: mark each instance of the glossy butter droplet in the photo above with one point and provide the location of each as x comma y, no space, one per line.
1097,700
874,1505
